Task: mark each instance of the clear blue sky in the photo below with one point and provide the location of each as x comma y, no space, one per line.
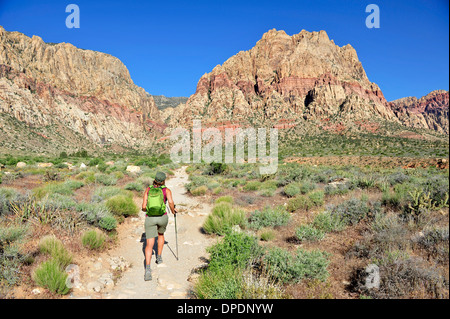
168,45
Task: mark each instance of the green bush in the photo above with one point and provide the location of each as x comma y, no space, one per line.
134,186
327,222
284,267
122,205
108,223
50,275
309,233
267,234
351,211
93,239
306,202
224,199
199,191
222,218
269,217
236,249
291,189
105,179
252,186
53,246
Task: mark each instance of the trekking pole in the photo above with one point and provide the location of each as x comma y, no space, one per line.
176,232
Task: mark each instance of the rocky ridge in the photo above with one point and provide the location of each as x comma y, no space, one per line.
429,112
287,77
87,92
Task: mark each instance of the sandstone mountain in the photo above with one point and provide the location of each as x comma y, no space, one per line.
284,78
429,112
58,88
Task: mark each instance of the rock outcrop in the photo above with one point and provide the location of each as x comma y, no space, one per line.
287,77
429,112
88,92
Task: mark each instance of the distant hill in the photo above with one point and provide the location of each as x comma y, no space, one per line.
162,102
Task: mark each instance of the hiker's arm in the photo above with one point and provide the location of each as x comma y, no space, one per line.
170,201
144,203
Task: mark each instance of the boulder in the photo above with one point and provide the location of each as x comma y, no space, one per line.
133,169
21,165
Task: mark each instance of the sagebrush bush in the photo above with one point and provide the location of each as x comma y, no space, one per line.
122,205
252,186
327,222
199,191
236,249
226,199
50,275
291,189
284,267
222,219
93,239
269,217
309,233
55,248
134,186
107,180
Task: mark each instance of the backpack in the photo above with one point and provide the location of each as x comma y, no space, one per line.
156,199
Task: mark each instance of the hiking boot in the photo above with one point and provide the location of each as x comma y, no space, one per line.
148,273
159,260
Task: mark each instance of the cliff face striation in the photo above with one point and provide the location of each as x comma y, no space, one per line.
429,112
90,93
287,77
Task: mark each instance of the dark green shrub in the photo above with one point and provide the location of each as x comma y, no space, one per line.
269,217
122,205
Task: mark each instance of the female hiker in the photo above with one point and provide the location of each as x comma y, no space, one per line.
155,198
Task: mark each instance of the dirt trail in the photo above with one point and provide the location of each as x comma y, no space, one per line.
170,279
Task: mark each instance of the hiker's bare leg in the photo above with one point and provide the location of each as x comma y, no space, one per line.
160,243
149,250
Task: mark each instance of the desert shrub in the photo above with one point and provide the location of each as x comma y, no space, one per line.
63,188
222,219
309,233
267,234
236,249
195,182
215,168
50,275
134,186
107,222
327,222
104,192
93,212
306,202
122,205
223,283
351,211
269,217
8,197
398,178
284,267
199,191
337,189
404,277
435,241
105,179
224,199
252,186
55,248
93,239
291,189
307,186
